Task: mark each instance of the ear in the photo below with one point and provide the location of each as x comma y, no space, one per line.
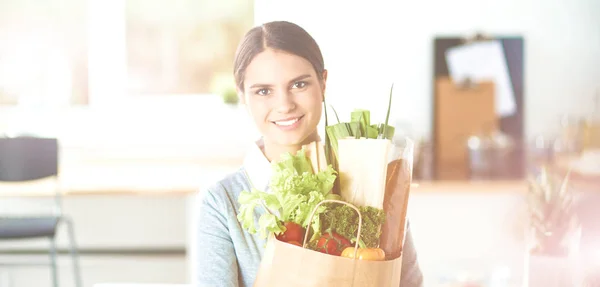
324,85
241,97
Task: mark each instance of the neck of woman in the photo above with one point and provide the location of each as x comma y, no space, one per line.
273,151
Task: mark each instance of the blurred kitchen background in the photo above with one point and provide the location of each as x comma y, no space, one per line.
140,95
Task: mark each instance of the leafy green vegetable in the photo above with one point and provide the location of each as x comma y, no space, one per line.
343,220
295,192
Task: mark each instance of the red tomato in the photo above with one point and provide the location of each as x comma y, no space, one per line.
332,243
293,232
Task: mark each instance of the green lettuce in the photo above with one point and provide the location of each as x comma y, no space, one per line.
295,192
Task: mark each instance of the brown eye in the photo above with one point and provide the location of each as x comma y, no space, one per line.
262,92
299,85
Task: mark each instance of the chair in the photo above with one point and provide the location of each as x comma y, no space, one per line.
24,159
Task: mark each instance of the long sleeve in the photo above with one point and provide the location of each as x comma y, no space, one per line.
215,255
411,272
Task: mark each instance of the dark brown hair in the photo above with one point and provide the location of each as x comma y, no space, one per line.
277,35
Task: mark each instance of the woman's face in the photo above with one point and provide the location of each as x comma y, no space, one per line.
284,97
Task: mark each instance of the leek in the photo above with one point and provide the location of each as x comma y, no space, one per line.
361,116
336,132
359,126
379,129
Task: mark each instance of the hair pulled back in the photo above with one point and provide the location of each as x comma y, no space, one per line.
277,35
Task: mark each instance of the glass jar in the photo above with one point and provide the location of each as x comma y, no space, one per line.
570,139
488,155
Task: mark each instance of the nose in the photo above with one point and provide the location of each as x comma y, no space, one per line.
285,102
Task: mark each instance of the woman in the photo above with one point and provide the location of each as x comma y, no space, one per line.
281,79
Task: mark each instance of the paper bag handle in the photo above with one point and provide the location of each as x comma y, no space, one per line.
312,214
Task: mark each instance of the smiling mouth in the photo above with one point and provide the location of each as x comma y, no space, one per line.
289,122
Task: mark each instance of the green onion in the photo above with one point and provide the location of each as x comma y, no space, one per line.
387,117
335,113
328,151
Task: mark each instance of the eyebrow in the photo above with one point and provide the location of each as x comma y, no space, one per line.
299,78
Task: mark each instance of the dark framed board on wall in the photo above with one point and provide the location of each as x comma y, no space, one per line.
512,126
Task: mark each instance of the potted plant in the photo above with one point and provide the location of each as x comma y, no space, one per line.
554,231
223,85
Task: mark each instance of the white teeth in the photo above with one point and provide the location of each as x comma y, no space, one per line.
287,123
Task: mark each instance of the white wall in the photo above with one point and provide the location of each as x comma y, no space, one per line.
366,48
366,44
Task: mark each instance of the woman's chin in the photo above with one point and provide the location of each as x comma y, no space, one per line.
294,137
295,141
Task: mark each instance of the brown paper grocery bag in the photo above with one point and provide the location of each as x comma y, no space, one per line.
285,264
